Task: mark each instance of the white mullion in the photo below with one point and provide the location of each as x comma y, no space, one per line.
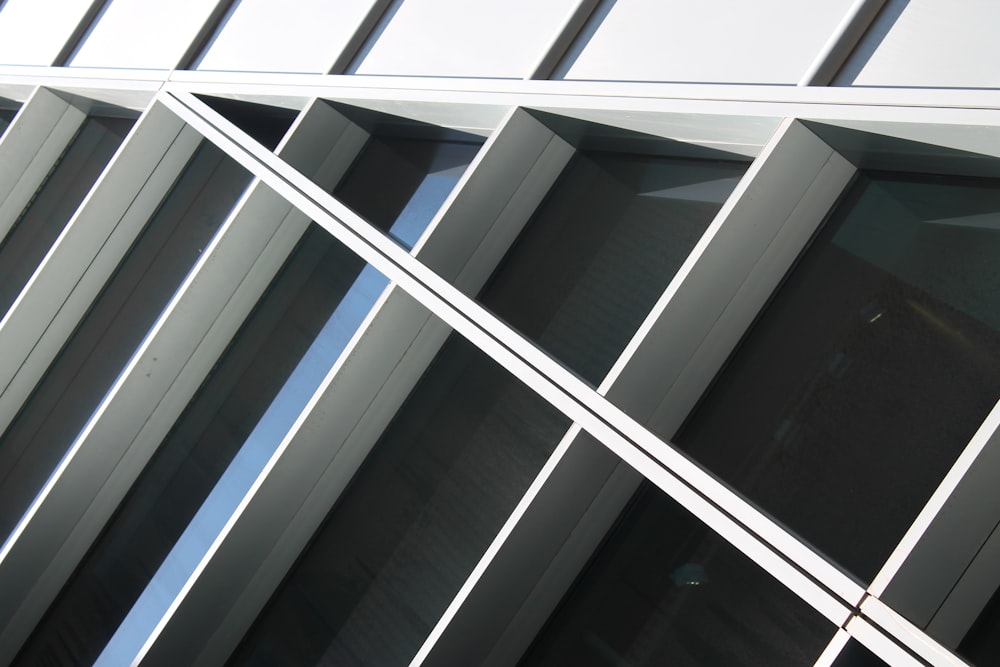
565,391
86,251
496,545
906,634
833,649
763,555
36,137
880,645
779,231
143,403
989,430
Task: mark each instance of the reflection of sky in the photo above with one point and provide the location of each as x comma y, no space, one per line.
248,463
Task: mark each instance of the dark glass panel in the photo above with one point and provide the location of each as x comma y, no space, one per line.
856,654
403,182
240,414
870,369
981,645
601,249
264,123
552,279
6,115
55,202
666,590
215,424
114,326
414,521
402,539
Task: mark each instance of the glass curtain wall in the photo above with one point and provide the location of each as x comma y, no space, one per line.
460,453
822,417
6,115
103,342
870,370
55,202
666,590
239,416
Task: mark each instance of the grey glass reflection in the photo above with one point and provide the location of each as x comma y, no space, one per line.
398,184
399,543
856,654
119,318
228,432
52,206
602,248
6,115
981,644
232,410
266,124
414,521
869,371
666,590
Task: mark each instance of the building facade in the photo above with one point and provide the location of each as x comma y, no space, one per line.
425,332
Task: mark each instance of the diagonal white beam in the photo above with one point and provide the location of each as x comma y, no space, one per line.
825,587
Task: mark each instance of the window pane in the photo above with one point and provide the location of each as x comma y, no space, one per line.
6,115
116,323
981,645
414,521
601,249
666,590
874,364
423,173
55,202
226,435
855,654
251,398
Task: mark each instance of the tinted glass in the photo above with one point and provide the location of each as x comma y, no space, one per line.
207,463
601,249
55,202
402,182
116,323
666,590
981,645
869,371
6,115
856,654
414,521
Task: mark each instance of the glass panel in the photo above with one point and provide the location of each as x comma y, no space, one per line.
55,202
666,590
601,249
414,521
6,115
116,323
423,174
229,430
856,654
870,369
243,409
266,124
981,645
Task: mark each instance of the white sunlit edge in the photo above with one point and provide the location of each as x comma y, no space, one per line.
472,321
